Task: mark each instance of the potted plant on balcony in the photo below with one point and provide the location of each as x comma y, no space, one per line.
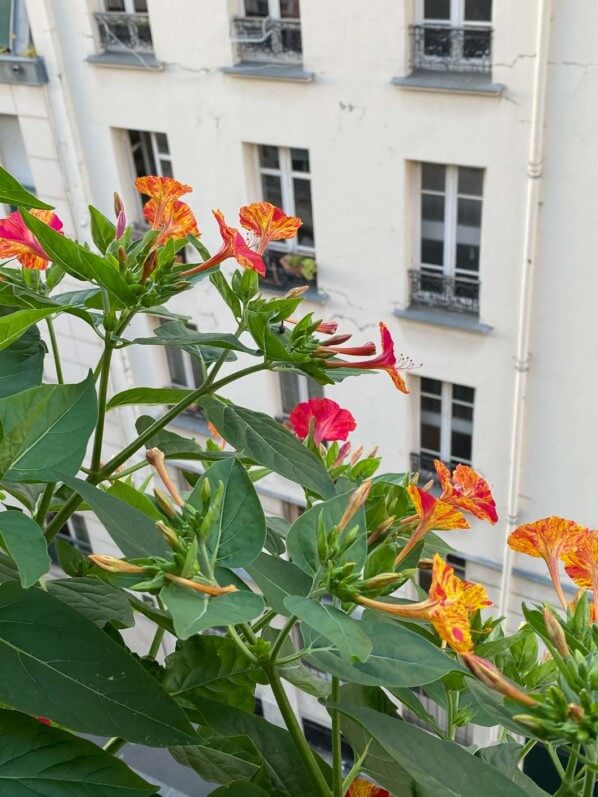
300,266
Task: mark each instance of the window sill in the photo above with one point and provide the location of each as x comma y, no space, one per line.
439,317
23,70
263,71
126,60
452,82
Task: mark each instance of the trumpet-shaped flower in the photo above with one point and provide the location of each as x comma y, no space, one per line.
164,211
233,245
466,490
17,240
581,565
386,360
430,513
328,420
551,538
268,222
363,788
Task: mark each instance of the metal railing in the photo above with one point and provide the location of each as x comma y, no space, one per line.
447,49
120,33
424,465
434,289
267,40
283,275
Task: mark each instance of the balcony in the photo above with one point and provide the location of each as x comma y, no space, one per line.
267,48
125,40
451,59
286,270
433,289
424,465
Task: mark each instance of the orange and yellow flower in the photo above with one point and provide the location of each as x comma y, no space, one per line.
17,240
269,223
164,211
430,514
363,788
581,565
551,538
233,245
466,490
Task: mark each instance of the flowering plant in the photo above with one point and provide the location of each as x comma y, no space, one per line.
247,601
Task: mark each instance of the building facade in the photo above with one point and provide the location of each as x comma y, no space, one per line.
441,154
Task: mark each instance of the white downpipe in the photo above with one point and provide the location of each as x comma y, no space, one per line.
522,354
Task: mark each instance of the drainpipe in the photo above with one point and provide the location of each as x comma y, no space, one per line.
530,245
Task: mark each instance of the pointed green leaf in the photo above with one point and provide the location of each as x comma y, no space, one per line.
46,430
175,333
175,446
13,325
13,193
220,759
239,788
343,631
23,539
36,759
22,364
278,579
102,229
148,395
99,602
193,613
134,533
62,666
268,443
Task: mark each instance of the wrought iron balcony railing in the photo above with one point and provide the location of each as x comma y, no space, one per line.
267,40
447,49
424,465
122,33
286,270
434,289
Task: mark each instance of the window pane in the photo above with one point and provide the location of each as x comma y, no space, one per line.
430,416
300,160
461,445
314,389
271,189
433,207
162,143
478,10
302,189
462,393
470,181
5,26
268,157
289,391
196,371
437,9
463,412
176,366
469,234
433,386
115,5
166,168
289,9
430,436
433,176
141,148
432,229
256,8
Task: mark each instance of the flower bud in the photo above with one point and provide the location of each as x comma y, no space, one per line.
381,580
164,503
555,633
149,265
295,293
356,501
206,589
157,460
533,723
114,565
323,551
356,454
372,453
169,534
576,713
381,530
489,675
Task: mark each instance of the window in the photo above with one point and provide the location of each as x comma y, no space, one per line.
295,388
450,234
75,532
454,35
269,31
15,36
13,155
126,6
285,181
291,512
185,370
151,153
124,28
446,424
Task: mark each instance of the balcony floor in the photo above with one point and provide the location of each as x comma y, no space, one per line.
444,80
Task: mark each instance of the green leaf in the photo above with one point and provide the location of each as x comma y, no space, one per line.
277,529
99,602
238,534
13,193
148,395
130,495
239,789
62,666
218,280
399,657
23,539
438,768
296,673
267,443
409,699
79,262
343,631
46,430
221,759
302,539
13,325
22,364
212,667
36,759
192,612
505,758
175,333
102,229
175,446
278,579
134,533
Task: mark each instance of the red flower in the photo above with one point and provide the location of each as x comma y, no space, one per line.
17,240
164,211
385,361
330,421
233,245
268,222
581,565
466,490
363,788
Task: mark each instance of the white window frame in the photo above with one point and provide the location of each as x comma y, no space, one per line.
451,205
286,174
273,10
446,419
457,17
157,155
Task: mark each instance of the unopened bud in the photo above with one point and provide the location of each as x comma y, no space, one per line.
164,503
118,204
489,675
206,589
295,293
149,265
381,580
555,633
323,551
356,454
372,453
381,530
344,450
530,722
122,258
114,565
576,713
169,534
157,460
336,340
356,501
121,219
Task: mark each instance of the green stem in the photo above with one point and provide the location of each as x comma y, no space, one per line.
44,504
296,733
527,747
240,643
113,745
263,621
204,560
156,642
337,760
96,455
127,472
556,761
452,708
279,641
590,776
55,351
73,502
568,775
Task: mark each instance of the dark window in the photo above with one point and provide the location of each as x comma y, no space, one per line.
75,532
295,388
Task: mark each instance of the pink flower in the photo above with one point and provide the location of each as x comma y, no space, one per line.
17,240
330,421
233,245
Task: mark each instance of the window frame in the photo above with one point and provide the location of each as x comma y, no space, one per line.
273,11
446,421
457,16
304,391
129,8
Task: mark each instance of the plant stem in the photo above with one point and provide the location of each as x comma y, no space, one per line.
204,560
296,733
452,707
113,745
337,761
590,776
556,761
527,747
568,775
263,620
156,642
240,643
96,455
279,641
55,351
44,504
